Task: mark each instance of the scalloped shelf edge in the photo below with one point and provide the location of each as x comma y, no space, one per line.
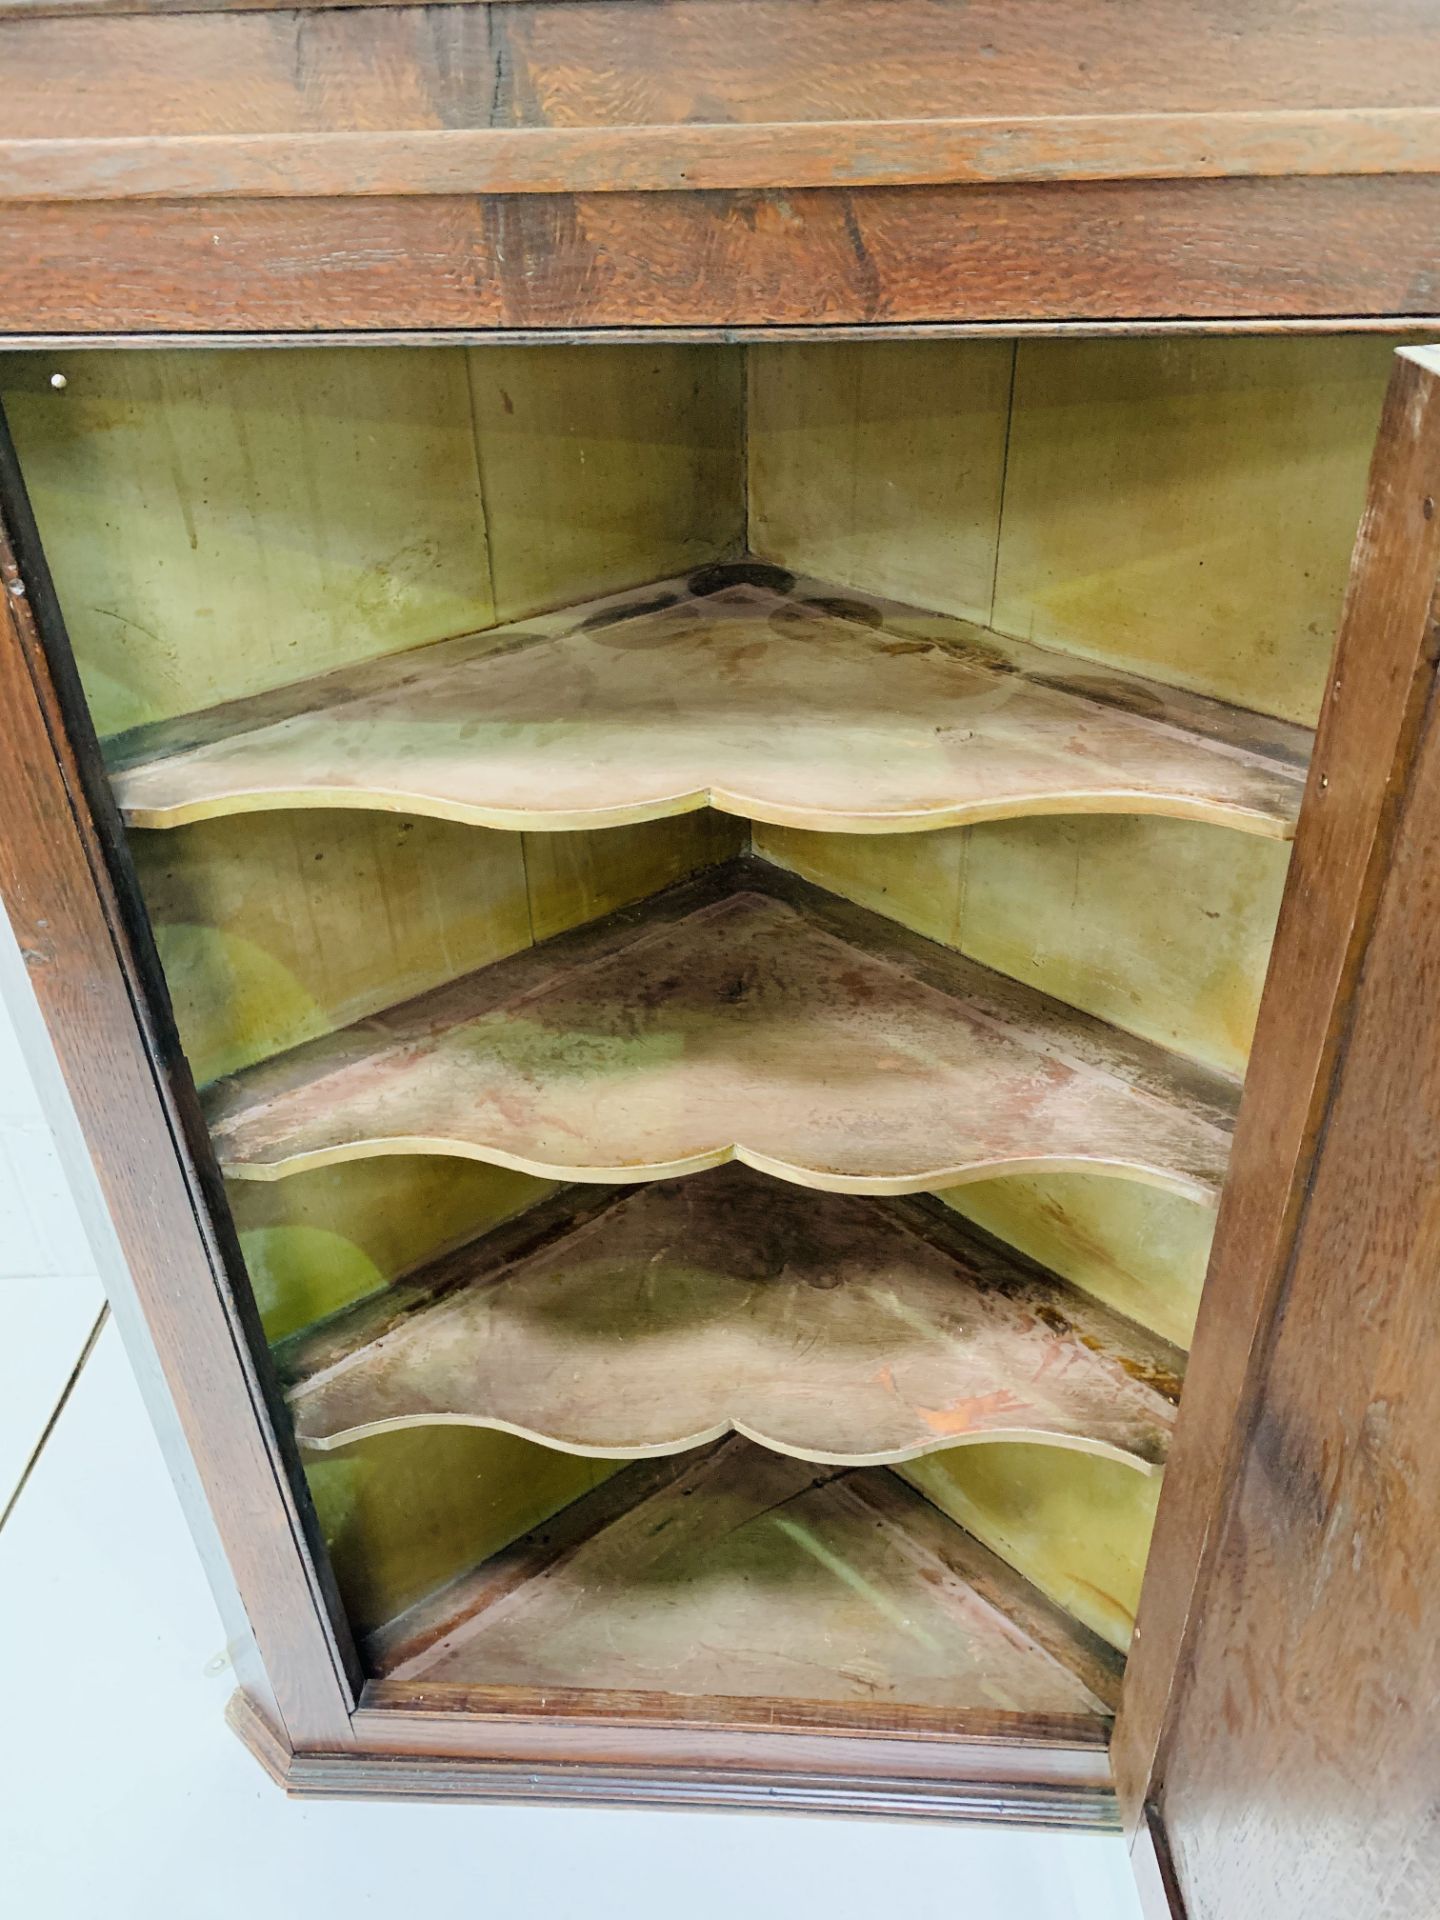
816,1179
643,1322
975,726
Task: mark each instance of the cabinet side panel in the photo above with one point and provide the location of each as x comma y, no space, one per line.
1159,926
404,1513
1162,927
276,927
317,1242
1335,1455
68,895
1139,1250
1300,1779
222,523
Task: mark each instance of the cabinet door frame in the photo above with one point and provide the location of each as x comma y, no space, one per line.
1315,1095
288,168
68,887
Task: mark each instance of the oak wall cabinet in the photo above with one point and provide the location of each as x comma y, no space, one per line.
754,994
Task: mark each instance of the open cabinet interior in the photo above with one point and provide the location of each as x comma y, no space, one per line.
716,899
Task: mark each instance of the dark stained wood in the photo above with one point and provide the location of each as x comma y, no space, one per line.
91,9
1379,325
837,1330
599,1712
262,1740
66,888
693,60
594,100
1102,251
1371,732
1043,1776
1304,1747
744,1015
280,73
1154,1870
817,153
998,1749
688,63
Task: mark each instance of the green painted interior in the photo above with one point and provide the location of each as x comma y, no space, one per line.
224,522
1077,1527
402,1513
220,523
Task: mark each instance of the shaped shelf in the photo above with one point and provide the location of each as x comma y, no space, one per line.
846,1331
744,1016
734,691
746,1574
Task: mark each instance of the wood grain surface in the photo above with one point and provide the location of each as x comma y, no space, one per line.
690,1033
221,524
595,64
1078,252
738,689
1371,733
1075,1525
844,1331
664,159
1310,1704
704,164
472,1745
753,1574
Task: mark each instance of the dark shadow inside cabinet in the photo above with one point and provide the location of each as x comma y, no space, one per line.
716,899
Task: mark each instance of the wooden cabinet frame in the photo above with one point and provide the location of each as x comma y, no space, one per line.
71,897
1267,216
604,163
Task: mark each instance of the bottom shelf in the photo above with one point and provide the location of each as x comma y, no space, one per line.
735,1572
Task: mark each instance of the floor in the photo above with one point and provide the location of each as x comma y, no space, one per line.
122,1792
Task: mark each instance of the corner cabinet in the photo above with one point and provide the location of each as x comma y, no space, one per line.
754,996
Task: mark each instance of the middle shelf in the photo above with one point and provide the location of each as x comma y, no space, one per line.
846,1331
748,1016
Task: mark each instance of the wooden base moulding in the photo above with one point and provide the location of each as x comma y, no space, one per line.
991,1768
887,1663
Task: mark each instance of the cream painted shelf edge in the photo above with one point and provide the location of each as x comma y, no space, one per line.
646,1321
742,688
743,1015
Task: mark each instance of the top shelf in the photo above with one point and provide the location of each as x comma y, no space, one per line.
742,689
